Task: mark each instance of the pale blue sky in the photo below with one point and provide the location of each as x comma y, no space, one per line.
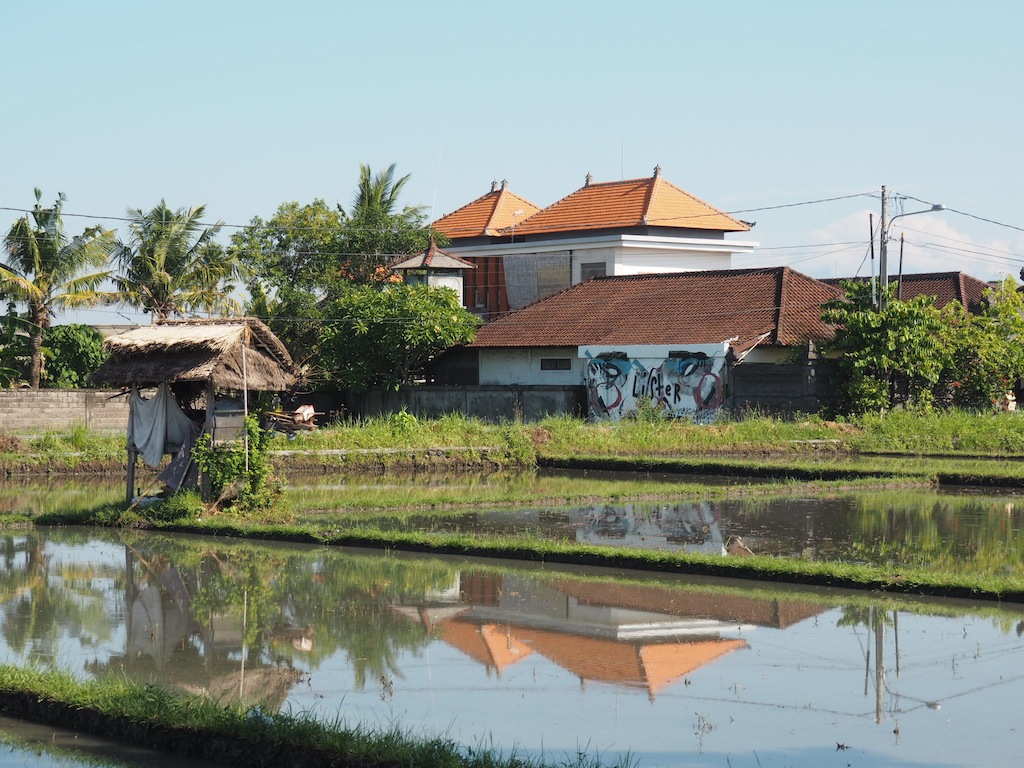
244,105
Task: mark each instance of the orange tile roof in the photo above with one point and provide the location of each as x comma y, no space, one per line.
487,644
650,202
777,303
433,257
944,286
487,215
652,666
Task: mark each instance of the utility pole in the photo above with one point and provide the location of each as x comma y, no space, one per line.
883,263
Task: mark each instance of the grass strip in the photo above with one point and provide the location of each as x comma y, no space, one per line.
929,581
200,728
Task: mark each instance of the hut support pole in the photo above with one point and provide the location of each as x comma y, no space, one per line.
204,484
133,458
133,454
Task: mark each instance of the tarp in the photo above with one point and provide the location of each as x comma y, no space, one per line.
156,424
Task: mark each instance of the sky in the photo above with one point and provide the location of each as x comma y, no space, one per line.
790,114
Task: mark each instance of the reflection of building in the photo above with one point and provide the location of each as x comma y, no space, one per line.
691,527
647,637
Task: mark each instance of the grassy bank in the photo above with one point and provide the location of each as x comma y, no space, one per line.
197,727
404,441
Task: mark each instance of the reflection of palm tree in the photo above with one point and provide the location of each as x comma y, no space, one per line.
35,612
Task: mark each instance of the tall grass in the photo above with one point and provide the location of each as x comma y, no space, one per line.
945,432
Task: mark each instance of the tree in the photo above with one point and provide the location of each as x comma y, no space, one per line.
73,352
172,265
385,336
377,194
375,232
986,358
888,357
44,268
292,260
305,257
14,347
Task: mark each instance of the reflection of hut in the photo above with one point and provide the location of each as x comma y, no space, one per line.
191,363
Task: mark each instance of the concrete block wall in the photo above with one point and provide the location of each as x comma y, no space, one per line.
783,389
34,411
488,402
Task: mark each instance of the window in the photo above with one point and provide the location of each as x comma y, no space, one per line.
555,364
592,269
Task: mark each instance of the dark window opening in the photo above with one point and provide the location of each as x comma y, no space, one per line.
555,364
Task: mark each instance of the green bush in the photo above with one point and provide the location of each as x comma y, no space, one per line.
245,484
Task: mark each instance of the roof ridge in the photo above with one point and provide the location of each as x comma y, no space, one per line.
652,190
688,273
786,276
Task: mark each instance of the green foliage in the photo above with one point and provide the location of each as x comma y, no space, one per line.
909,353
385,337
43,270
181,507
14,347
888,357
377,229
172,264
304,259
986,358
73,352
244,484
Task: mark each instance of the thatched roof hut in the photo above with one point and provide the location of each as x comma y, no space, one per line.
208,351
239,354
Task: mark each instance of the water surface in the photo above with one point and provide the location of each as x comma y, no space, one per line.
547,661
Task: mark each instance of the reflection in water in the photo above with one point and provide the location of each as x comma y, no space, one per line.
909,528
676,671
31,745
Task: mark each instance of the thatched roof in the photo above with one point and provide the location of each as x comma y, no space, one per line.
198,350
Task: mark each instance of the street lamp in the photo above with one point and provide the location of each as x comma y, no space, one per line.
886,225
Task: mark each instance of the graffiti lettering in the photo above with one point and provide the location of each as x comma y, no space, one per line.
678,386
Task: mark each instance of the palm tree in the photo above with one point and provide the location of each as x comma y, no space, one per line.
43,269
377,196
375,231
171,264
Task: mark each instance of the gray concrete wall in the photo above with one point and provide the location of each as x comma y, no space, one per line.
782,388
489,402
33,411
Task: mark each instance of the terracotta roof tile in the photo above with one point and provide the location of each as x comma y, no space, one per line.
433,257
944,286
488,215
706,307
651,202
649,665
487,644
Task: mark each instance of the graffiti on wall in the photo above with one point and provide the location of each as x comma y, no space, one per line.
685,385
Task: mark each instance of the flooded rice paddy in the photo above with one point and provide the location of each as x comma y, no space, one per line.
545,661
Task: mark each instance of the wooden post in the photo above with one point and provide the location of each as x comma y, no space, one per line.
133,457
133,454
204,483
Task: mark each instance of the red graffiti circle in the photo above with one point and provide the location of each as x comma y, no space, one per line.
708,393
